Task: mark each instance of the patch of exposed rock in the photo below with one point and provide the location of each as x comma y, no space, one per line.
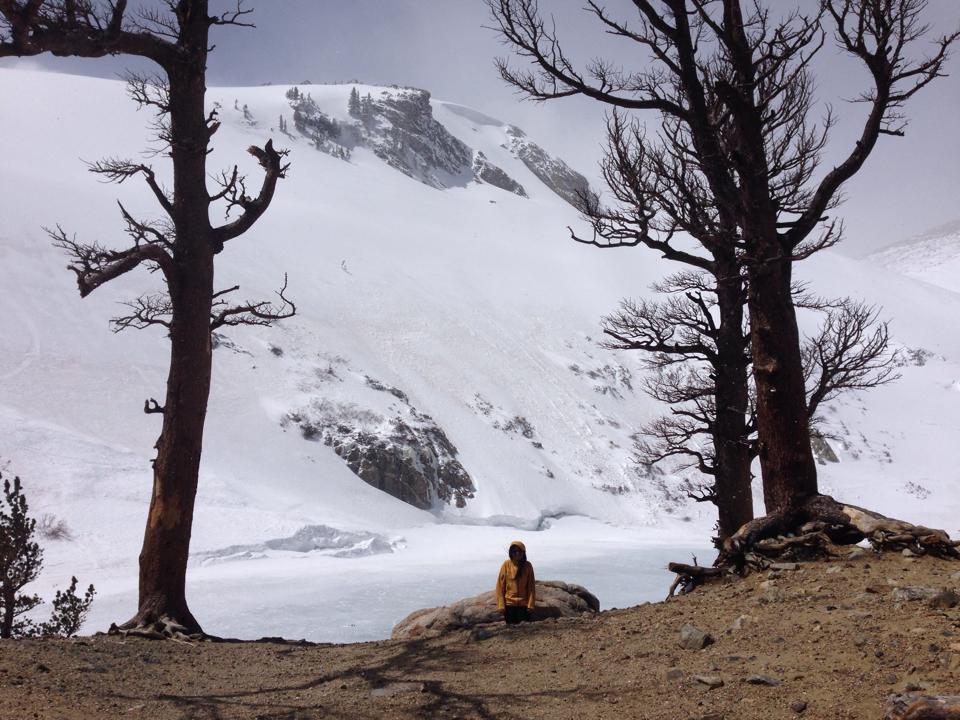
398,127
410,458
821,449
555,599
487,172
553,172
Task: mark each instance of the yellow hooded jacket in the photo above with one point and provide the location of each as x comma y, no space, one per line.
515,586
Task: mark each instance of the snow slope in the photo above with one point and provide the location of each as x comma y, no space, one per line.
933,257
470,300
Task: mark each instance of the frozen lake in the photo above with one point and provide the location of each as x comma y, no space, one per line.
327,599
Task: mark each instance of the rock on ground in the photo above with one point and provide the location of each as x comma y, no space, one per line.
554,599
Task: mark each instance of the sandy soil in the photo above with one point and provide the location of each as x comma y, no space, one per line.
833,635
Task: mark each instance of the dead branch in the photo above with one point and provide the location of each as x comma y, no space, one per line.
851,352
916,706
146,310
690,577
274,168
250,313
94,264
118,170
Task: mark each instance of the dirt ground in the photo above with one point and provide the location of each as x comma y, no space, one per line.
831,640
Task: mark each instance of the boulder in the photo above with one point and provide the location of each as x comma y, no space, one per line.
555,599
693,638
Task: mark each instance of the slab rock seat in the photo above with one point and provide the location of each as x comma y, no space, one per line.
555,599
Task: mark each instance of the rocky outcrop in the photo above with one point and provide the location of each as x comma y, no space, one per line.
406,455
398,126
486,171
554,599
821,448
553,172
415,464
404,133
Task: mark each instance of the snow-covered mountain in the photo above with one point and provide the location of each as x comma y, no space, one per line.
440,391
932,257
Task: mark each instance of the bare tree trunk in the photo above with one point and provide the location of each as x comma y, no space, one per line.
166,542
786,459
732,486
177,39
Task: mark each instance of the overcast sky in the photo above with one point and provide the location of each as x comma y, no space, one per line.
908,186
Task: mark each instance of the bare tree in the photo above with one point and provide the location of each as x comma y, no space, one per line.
181,246
678,335
659,199
735,97
850,352
681,337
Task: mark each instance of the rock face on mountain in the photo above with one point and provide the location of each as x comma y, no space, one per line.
416,464
406,455
403,132
554,599
553,172
398,126
486,171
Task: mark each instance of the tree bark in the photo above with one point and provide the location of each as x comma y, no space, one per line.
786,459
732,486
166,542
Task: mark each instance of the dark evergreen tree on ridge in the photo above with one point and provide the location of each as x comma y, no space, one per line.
353,103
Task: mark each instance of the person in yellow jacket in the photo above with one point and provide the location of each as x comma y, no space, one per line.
515,590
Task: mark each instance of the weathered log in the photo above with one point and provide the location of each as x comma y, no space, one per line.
690,576
910,706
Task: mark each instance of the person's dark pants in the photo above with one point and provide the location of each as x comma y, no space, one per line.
513,614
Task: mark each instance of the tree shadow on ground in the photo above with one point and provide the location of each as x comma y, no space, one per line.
408,670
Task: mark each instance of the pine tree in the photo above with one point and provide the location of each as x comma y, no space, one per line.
353,104
366,109
21,560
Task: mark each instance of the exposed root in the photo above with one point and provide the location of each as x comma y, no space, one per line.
923,707
162,628
817,528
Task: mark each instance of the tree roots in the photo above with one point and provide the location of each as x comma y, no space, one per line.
159,628
814,529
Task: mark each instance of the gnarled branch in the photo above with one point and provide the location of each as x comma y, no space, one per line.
274,168
250,313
